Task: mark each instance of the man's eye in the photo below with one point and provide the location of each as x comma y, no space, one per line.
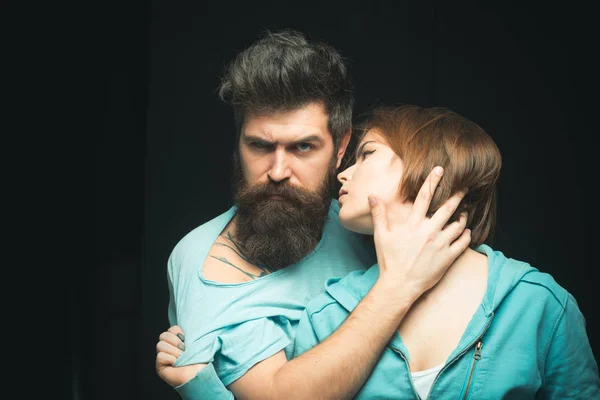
304,147
259,145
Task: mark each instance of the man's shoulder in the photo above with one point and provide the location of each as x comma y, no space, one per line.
202,236
333,219
345,292
334,211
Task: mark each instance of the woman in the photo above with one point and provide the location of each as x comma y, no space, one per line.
493,327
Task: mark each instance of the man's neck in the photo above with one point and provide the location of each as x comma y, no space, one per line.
228,251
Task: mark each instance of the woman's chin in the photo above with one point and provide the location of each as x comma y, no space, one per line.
358,225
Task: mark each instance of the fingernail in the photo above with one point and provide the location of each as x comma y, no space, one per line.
439,170
181,337
372,200
181,346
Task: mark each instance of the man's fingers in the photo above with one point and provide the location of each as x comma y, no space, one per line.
455,229
461,244
378,214
441,217
423,200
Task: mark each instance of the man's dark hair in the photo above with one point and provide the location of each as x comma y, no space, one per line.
283,72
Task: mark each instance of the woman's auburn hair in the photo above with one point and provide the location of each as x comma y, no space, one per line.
427,137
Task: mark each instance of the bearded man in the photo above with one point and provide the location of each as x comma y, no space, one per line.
240,282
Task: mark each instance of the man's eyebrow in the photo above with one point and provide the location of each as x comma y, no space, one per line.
310,138
250,138
361,147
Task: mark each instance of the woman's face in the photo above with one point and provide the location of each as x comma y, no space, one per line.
377,171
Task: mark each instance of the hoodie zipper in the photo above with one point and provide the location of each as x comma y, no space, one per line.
396,350
476,357
463,351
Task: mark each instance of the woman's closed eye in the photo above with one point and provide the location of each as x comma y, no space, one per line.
365,153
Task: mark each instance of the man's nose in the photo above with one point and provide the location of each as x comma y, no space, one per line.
280,168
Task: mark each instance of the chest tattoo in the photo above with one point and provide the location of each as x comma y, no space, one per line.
231,244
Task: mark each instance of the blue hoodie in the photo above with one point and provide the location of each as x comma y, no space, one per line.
526,340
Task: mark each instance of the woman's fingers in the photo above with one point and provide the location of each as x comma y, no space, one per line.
164,359
168,348
176,330
172,339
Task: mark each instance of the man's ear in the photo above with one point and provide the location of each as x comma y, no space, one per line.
343,146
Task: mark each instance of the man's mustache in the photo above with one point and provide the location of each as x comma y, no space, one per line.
264,191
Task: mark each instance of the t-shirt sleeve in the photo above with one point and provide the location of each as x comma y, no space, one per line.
306,337
172,310
234,350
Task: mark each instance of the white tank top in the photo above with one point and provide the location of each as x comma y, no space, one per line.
422,380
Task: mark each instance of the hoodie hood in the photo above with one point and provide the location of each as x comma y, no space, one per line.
504,274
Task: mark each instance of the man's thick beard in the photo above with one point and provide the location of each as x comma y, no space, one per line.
279,233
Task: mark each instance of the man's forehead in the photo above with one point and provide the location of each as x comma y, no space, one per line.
290,126
275,135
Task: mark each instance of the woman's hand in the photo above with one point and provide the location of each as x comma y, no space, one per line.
168,349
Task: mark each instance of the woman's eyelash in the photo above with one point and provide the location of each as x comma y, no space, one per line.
365,153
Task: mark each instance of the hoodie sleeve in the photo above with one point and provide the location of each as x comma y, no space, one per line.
206,385
571,371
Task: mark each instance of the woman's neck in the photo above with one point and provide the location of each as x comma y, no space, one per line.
469,268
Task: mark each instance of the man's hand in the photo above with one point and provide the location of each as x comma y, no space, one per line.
414,254
168,349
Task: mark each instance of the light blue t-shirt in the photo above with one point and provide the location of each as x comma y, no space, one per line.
235,326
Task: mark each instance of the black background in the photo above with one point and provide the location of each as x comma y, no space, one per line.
524,73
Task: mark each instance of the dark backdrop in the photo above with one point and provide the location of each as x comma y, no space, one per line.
524,73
